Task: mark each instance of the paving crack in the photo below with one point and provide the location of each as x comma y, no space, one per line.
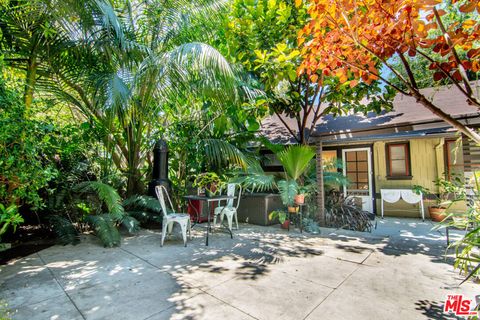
58,282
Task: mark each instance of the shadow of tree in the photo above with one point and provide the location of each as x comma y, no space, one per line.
433,310
249,256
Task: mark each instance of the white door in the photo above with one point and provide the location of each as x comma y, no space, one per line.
357,167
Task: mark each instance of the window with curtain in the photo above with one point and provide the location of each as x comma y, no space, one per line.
398,160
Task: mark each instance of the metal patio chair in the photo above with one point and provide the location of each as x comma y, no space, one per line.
170,218
229,210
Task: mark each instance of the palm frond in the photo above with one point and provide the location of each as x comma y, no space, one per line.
142,202
130,223
105,229
296,159
64,230
107,194
253,178
221,153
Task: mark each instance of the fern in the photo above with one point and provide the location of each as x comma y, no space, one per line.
64,230
105,229
142,202
131,224
107,194
143,208
105,225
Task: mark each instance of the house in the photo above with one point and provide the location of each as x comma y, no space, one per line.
393,150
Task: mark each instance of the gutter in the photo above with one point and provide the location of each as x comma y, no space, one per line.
391,136
409,124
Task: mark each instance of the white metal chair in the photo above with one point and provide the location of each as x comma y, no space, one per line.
169,219
229,209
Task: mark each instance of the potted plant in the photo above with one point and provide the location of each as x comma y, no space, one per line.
450,191
288,190
208,181
303,192
295,161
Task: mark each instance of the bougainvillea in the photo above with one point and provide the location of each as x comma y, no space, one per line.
356,40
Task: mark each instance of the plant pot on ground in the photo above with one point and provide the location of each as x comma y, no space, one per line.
450,191
285,224
437,214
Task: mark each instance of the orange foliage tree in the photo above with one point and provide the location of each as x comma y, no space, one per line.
358,40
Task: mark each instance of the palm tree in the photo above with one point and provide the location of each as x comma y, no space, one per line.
117,64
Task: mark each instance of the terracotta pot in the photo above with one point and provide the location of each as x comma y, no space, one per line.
437,214
285,224
292,209
300,199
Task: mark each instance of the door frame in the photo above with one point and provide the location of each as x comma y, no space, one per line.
371,192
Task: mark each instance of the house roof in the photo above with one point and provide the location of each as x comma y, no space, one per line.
406,115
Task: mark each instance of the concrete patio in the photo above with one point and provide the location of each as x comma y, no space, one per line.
397,272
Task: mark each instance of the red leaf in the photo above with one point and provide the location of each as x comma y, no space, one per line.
473,53
437,76
468,7
457,76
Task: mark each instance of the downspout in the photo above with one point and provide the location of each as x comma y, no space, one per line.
439,158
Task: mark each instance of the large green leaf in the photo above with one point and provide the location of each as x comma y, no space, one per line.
107,194
295,160
105,229
220,153
288,189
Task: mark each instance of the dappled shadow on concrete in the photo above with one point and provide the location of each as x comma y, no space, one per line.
433,310
399,236
173,282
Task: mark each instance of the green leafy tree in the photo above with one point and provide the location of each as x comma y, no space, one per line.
26,160
117,65
262,36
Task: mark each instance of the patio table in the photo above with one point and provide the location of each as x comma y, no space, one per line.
208,200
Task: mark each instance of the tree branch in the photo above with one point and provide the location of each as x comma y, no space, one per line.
286,126
470,98
408,69
460,67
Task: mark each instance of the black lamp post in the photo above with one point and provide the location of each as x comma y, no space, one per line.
160,167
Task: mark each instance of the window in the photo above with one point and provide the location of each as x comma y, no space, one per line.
454,158
398,160
356,169
329,160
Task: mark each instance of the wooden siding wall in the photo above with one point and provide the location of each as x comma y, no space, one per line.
427,161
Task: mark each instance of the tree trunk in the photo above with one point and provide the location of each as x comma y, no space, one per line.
30,82
134,182
321,191
472,134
